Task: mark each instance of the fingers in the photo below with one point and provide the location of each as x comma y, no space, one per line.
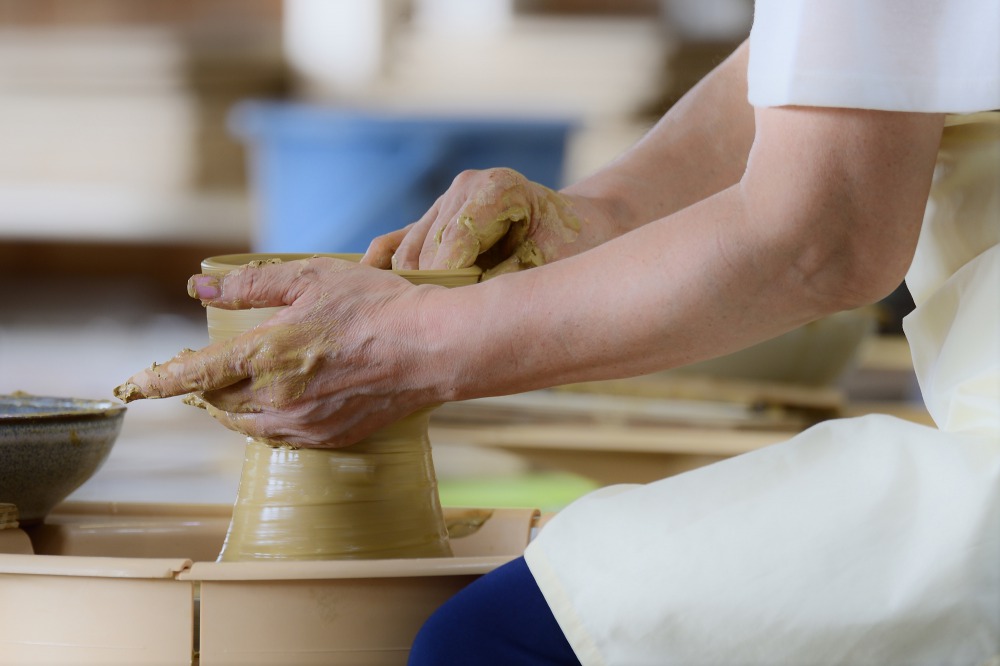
526,255
381,249
216,366
509,265
407,255
236,398
496,200
476,229
261,285
267,427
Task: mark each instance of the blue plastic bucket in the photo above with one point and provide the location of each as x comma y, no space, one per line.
330,180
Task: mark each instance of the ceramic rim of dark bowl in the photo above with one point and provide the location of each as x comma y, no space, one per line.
56,408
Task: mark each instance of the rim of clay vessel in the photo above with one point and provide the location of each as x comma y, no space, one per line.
22,407
226,262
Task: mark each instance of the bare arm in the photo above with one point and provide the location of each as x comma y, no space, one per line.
697,149
825,218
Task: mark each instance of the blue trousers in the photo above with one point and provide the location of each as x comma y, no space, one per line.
500,619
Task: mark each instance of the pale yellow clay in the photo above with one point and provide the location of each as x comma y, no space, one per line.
375,499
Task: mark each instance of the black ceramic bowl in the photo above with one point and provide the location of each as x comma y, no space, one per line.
50,446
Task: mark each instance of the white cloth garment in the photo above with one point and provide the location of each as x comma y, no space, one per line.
895,55
860,541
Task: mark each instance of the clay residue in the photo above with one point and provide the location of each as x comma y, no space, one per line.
257,263
282,365
128,392
466,522
512,225
195,400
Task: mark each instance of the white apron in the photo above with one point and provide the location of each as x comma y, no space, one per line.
860,541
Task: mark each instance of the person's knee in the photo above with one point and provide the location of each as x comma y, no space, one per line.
444,639
498,620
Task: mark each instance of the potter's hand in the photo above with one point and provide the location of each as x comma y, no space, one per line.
496,219
324,372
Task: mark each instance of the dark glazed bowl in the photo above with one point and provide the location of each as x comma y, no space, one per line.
50,446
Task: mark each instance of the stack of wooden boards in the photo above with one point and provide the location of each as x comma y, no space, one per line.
643,429
114,127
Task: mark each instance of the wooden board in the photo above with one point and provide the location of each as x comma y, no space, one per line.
611,453
656,401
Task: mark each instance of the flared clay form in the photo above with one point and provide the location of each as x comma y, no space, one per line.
375,499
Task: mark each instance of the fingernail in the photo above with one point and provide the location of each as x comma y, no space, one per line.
205,287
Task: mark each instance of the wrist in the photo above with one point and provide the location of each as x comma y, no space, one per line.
609,202
438,345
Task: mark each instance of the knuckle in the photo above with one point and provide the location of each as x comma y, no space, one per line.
242,284
507,178
312,266
380,243
466,177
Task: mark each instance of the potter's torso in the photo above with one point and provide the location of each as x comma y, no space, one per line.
963,213
954,333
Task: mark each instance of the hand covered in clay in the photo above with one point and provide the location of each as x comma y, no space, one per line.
323,372
496,219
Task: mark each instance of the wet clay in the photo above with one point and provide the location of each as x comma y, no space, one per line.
128,392
375,499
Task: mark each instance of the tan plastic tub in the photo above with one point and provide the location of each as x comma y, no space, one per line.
95,592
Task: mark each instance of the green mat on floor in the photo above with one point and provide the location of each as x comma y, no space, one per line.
548,491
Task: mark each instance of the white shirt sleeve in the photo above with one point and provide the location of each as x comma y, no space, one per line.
894,55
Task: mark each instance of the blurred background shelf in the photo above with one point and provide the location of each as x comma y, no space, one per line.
97,214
